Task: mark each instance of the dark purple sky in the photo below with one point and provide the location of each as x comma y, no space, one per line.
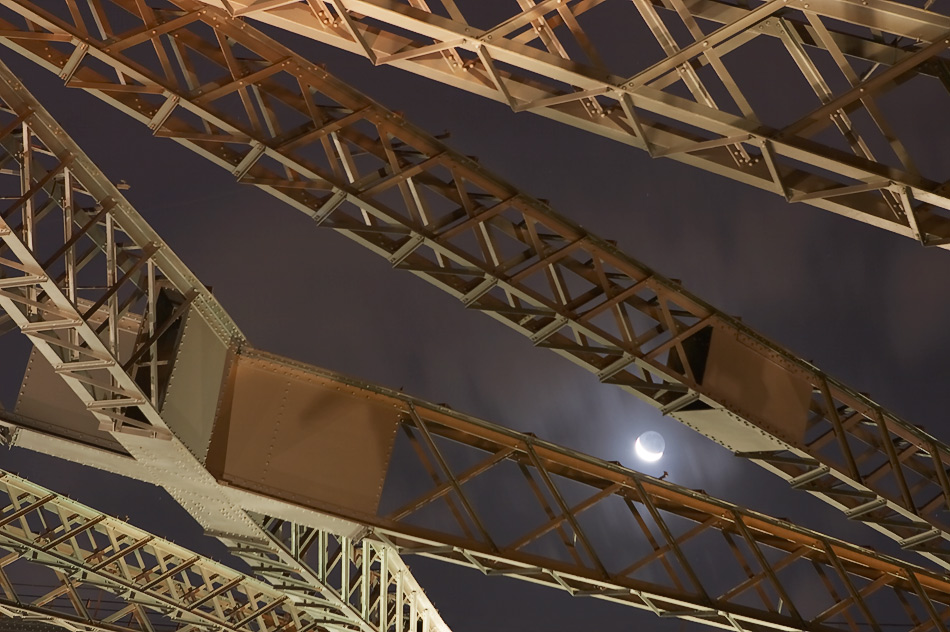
868,307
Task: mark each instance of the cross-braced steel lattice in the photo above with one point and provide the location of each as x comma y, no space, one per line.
468,492
96,570
102,298
225,90
693,80
565,520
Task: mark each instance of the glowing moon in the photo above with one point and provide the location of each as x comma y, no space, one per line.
649,446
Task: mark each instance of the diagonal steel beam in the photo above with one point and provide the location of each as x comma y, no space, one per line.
505,62
778,555
66,325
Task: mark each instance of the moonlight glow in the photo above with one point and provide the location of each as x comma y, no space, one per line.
649,446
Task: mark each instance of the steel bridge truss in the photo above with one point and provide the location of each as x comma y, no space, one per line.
80,569
557,544
691,81
216,85
118,576
566,520
103,299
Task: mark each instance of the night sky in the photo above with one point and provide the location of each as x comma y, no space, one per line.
868,307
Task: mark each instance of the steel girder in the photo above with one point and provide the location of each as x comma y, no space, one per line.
597,529
87,280
311,570
856,580
288,127
103,573
565,520
696,92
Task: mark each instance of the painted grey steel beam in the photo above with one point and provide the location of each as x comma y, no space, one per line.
499,251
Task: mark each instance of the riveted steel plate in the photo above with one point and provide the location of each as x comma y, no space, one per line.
765,391
301,437
47,403
195,383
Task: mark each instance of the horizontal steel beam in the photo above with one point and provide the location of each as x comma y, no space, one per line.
466,491
511,504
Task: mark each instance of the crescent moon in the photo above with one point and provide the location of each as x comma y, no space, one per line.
645,454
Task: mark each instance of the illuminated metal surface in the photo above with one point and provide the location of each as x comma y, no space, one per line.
689,82
310,571
78,267
105,573
278,122
100,573
566,520
598,529
857,580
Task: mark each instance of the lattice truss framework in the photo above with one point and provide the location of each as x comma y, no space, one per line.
856,581
101,297
81,274
223,89
598,529
84,570
694,79
592,528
